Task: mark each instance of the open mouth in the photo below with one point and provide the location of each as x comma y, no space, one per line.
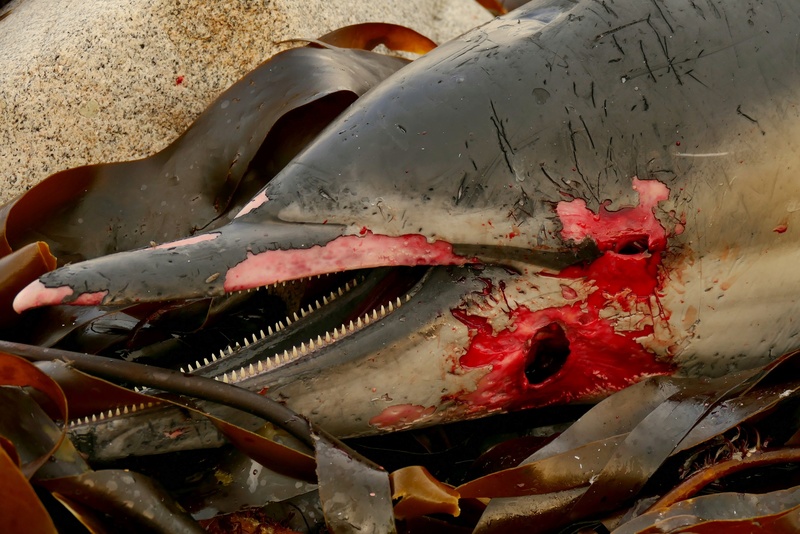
328,310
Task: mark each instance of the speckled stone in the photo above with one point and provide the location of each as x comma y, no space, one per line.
96,81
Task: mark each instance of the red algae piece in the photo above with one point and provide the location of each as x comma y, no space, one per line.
342,254
400,416
188,241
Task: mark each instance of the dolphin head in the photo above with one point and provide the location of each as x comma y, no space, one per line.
607,192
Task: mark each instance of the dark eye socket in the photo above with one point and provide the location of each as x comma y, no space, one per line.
547,354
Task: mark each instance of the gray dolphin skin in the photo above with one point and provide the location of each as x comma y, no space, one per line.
605,190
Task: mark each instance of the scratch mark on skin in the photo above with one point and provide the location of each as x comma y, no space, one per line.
572,134
586,128
698,9
663,43
691,75
502,139
616,43
647,63
552,181
671,29
609,156
615,30
608,9
751,119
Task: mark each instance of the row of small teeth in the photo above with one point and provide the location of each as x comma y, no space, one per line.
261,366
274,285
102,416
278,327
280,359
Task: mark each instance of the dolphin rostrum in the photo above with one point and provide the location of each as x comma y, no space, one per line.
613,186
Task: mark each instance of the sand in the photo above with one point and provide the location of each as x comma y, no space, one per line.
97,81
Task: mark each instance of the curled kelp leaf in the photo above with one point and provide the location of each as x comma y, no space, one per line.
776,512
501,7
16,271
15,371
694,484
572,469
368,35
100,209
142,503
420,494
20,508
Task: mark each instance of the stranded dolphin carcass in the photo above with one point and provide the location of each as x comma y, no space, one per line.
612,185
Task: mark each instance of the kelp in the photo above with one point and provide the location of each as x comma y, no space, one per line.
192,184
626,447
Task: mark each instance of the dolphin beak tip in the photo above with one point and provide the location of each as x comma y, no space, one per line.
36,294
33,295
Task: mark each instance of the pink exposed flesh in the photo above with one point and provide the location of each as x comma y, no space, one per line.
36,294
188,241
342,254
401,415
255,202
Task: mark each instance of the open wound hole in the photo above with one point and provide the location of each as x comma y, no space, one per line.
548,352
632,245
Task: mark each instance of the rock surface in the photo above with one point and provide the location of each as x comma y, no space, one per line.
89,82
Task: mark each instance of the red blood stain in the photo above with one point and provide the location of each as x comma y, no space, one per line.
401,415
363,230
781,228
601,358
179,80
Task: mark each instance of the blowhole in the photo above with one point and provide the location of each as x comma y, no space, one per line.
632,246
548,352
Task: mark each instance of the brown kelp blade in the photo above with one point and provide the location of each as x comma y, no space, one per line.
353,490
574,478
58,466
100,209
501,7
127,496
368,35
776,512
92,395
20,508
15,371
17,270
